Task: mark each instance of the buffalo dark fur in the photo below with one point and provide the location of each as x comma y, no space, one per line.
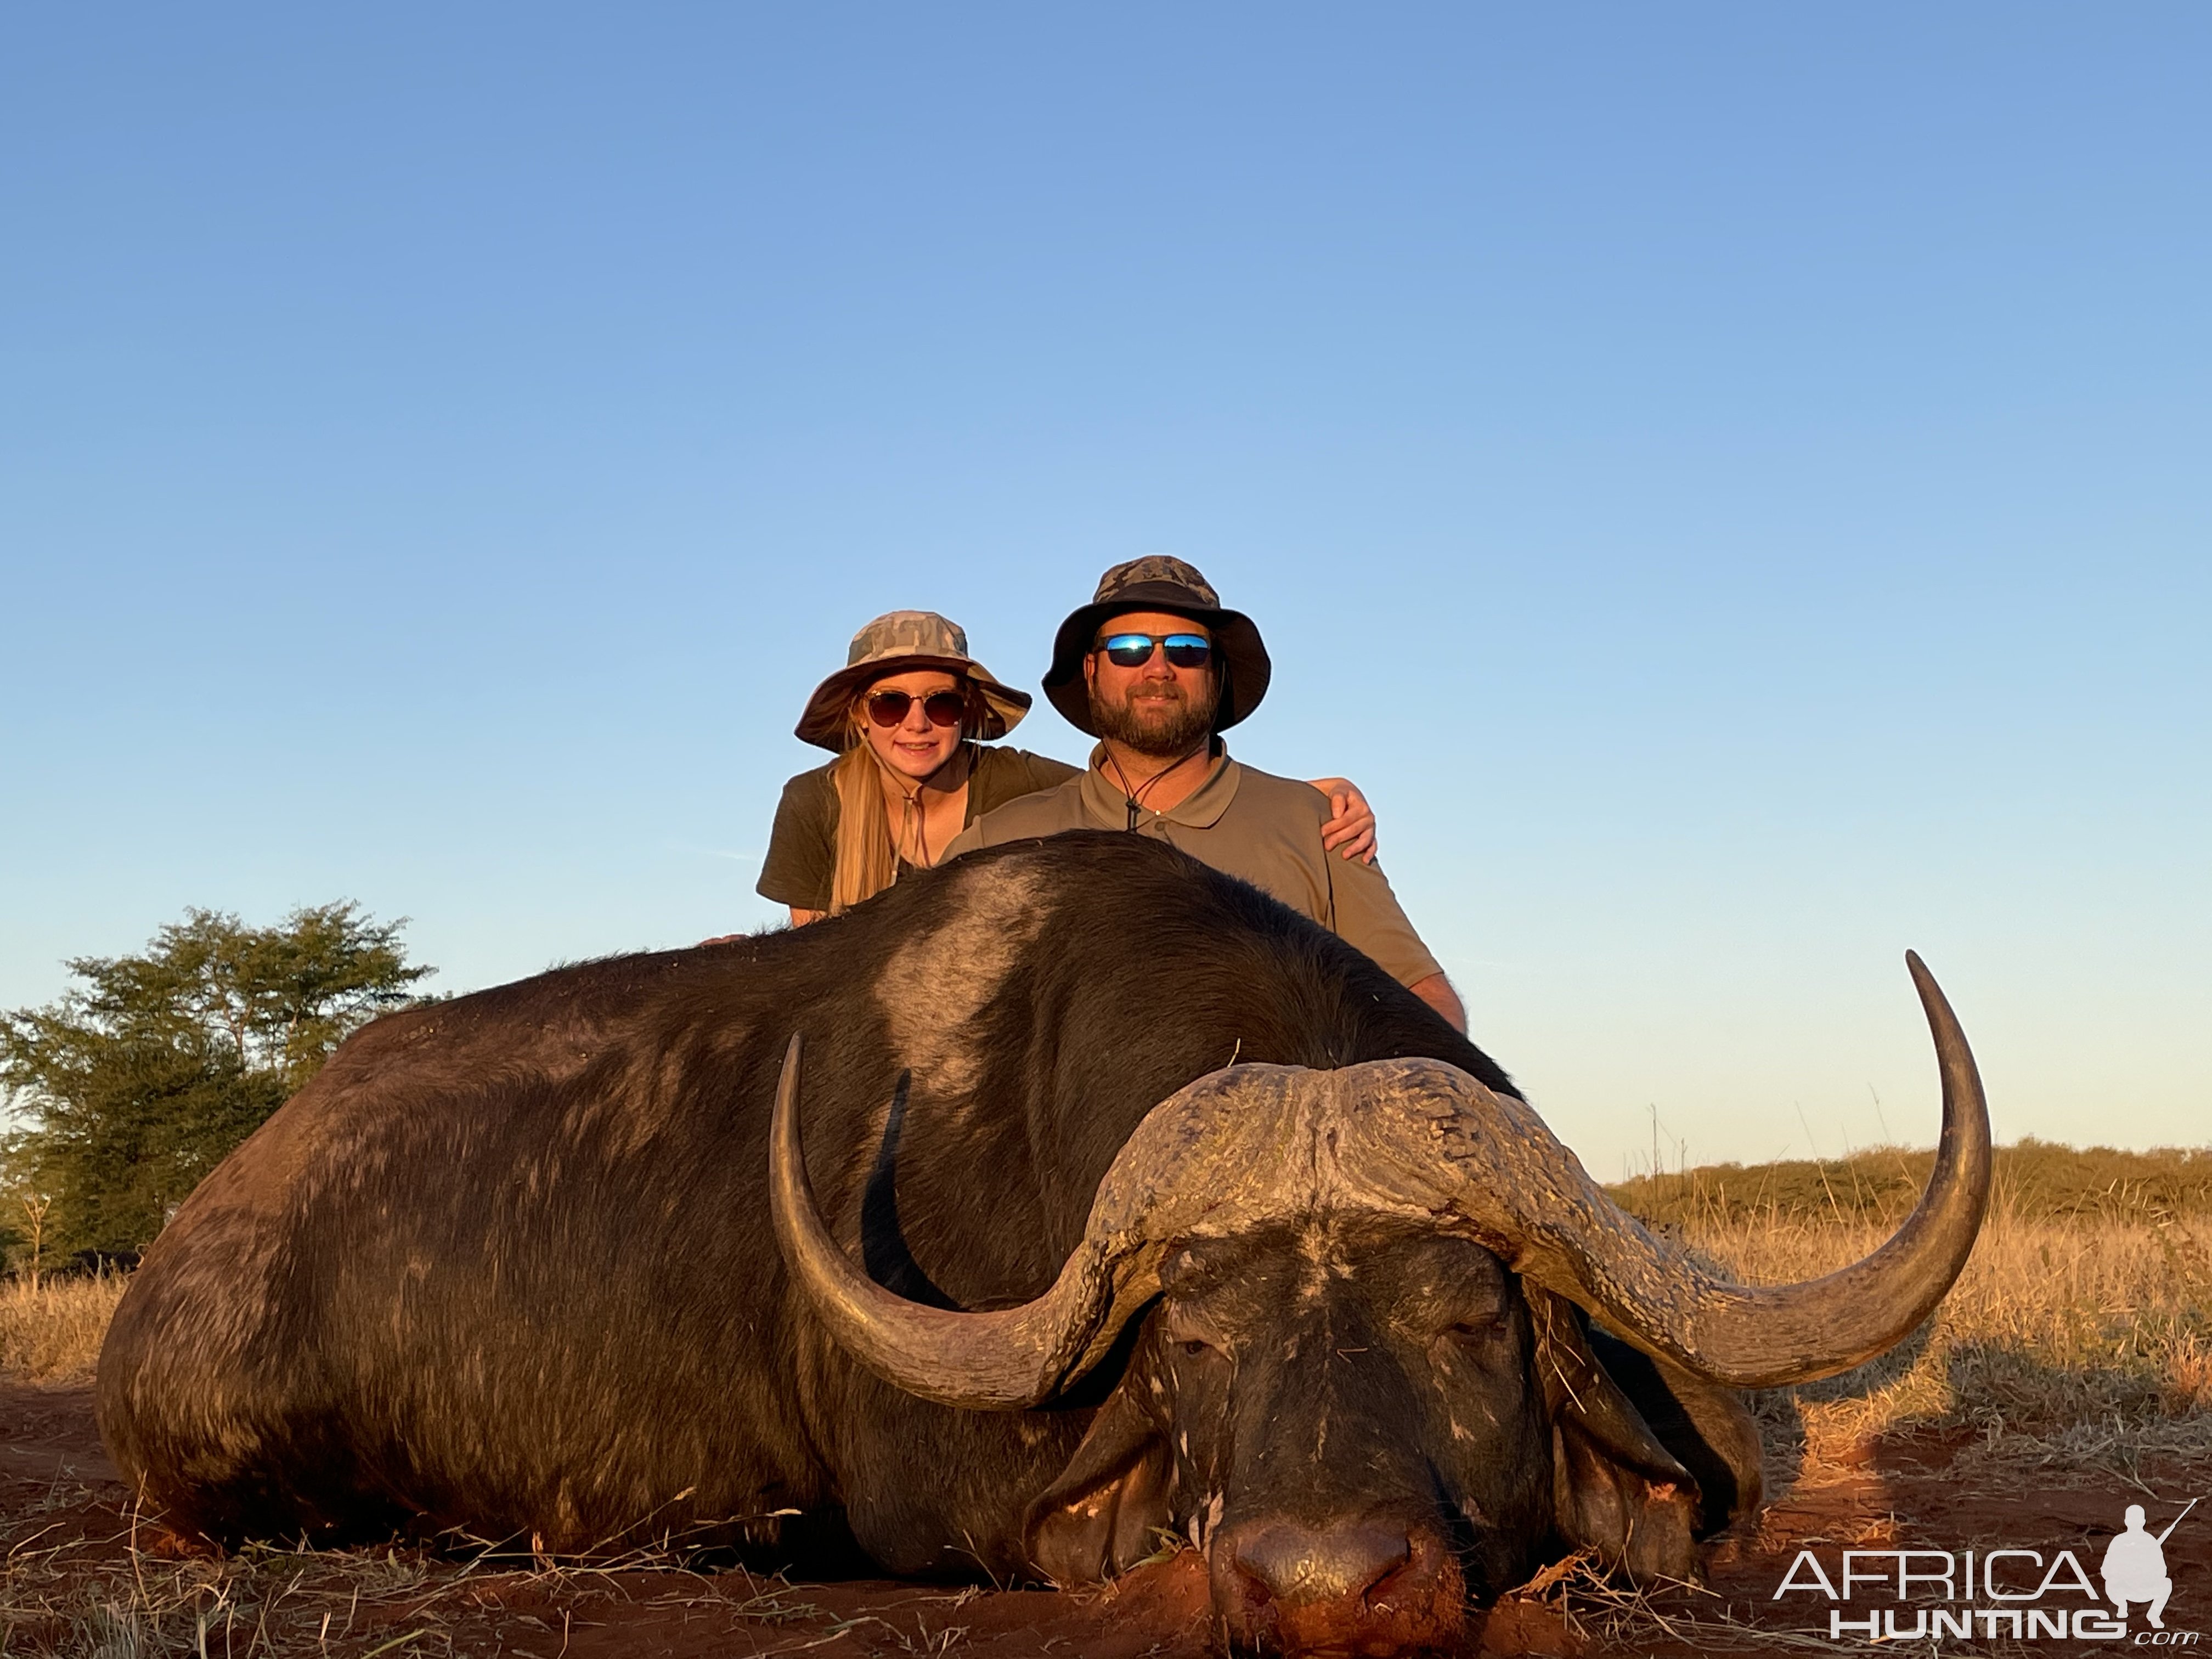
507,1264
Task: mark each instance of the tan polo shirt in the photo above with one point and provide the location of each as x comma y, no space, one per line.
1247,823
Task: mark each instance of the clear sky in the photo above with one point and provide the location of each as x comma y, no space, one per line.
1734,483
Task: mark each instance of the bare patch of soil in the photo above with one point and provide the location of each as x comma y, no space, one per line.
84,1574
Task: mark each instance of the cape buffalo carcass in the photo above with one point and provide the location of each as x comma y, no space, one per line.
1129,1204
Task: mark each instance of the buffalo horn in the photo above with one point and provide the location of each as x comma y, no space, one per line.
1010,1357
1553,1224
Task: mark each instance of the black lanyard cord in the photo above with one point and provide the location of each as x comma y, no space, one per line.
1135,797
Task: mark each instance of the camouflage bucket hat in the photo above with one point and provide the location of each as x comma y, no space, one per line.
893,643
1159,583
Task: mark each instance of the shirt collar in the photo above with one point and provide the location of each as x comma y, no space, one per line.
1202,809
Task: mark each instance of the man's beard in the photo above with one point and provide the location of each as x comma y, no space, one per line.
1161,721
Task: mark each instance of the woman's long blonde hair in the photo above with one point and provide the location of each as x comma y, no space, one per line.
867,859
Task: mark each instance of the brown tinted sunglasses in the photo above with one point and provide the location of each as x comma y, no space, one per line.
888,708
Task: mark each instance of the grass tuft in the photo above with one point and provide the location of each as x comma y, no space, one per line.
52,1334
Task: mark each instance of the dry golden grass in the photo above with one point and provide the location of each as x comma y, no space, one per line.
52,1334
2064,1345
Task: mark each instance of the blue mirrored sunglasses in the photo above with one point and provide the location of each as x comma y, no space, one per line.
1135,650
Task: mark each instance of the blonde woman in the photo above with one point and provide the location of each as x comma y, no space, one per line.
911,717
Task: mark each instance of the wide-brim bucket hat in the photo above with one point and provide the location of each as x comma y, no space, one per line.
893,643
1158,583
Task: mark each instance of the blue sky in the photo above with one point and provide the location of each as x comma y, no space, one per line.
1731,481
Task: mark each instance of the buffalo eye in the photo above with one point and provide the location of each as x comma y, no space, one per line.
1191,1346
1478,1330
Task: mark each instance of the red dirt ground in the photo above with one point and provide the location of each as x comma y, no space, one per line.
73,1545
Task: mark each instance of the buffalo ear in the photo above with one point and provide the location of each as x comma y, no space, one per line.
1615,1488
1638,1526
1103,1514
1703,1424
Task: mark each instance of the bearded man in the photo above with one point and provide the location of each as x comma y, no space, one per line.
1156,669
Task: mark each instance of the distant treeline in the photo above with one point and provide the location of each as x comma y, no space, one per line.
2035,1181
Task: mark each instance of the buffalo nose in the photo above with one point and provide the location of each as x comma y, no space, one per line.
1295,1565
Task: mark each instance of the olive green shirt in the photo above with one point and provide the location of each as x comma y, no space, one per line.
1248,823
802,849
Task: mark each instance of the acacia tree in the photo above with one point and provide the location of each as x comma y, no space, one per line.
138,1081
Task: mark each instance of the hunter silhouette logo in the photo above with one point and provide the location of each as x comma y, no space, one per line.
2135,1566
